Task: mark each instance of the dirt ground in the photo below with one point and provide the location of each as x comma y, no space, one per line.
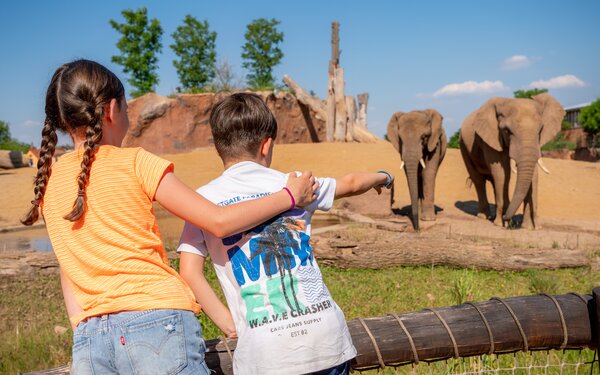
569,200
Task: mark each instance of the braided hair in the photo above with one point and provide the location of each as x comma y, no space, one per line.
75,101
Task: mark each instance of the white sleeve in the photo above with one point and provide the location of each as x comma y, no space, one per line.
192,241
325,195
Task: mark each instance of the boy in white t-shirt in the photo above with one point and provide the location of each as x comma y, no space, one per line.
286,320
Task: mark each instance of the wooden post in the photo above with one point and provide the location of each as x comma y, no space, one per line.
335,43
363,100
351,123
330,119
339,134
596,304
331,97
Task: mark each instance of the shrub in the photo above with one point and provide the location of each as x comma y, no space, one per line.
559,143
454,140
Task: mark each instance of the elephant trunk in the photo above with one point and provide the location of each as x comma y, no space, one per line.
412,175
525,170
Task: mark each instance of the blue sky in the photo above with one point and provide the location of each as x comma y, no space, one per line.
447,55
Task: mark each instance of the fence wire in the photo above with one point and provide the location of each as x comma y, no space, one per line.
567,362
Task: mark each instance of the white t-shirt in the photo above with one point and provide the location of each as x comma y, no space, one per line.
284,315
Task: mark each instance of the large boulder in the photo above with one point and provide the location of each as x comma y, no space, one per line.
167,125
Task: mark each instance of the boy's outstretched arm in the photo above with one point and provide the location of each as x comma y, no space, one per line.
359,182
191,268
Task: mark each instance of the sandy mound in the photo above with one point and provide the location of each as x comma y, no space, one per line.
570,193
569,198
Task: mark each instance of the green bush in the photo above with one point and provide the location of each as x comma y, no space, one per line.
559,143
566,125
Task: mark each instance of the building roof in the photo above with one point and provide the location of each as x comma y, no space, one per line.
578,106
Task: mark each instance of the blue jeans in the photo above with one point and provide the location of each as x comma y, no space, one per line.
140,342
343,369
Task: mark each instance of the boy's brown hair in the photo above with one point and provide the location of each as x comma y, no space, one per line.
239,123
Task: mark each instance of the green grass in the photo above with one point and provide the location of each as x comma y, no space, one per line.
30,309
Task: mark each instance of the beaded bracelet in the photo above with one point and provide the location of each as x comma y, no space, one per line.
389,178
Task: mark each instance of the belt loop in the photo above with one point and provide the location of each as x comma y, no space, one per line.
104,322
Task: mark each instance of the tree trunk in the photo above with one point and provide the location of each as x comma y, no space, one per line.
330,116
335,43
350,125
340,106
303,97
507,325
363,100
331,95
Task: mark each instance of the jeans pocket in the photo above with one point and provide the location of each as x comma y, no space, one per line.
82,356
156,346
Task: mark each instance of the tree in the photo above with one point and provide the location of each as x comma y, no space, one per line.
195,47
454,141
139,45
4,132
7,142
261,52
527,94
590,122
225,78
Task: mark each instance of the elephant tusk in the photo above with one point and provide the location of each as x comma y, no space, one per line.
422,163
402,165
513,166
542,166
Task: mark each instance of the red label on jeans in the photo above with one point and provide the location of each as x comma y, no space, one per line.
122,340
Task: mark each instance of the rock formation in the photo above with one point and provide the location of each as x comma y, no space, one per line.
167,125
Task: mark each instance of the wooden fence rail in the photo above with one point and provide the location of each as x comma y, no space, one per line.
527,323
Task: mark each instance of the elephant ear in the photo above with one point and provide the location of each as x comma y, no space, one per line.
485,123
552,114
392,131
435,120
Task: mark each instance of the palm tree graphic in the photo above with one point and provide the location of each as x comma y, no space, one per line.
271,246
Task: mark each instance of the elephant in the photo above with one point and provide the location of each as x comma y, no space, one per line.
506,129
421,141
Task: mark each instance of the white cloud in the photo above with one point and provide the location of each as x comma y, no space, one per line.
517,62
470,87
567,80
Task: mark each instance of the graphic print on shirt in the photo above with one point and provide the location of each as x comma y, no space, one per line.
278,278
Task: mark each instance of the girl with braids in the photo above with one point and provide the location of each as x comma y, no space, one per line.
130,311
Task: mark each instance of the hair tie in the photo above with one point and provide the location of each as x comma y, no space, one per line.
291,197
35,202
81,193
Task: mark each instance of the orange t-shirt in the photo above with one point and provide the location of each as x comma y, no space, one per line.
113,255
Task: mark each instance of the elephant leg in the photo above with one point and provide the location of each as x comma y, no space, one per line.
428,204
530,205
483,210
501,178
